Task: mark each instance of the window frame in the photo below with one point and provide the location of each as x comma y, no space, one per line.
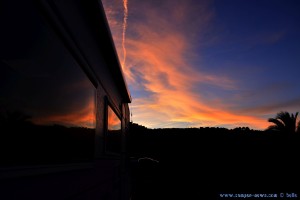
108,103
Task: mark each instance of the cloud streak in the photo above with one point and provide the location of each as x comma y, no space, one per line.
289,105
125,5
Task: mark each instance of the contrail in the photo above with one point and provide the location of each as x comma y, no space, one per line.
125,3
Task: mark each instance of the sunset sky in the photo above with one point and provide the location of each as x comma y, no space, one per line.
221,63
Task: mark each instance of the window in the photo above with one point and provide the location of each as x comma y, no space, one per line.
47,103
113,135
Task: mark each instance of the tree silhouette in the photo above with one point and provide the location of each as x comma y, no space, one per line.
284,122
14,119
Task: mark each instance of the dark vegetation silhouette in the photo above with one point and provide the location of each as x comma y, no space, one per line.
285,123
24,143
194,163
113,141
202,163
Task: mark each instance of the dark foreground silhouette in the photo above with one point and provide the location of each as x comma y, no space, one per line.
194,163
204,163
25,143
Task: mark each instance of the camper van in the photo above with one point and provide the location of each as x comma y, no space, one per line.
64,111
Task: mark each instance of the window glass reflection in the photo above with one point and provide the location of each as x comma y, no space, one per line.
47,103
113,139
114,123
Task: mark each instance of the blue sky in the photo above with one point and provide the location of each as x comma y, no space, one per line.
222,63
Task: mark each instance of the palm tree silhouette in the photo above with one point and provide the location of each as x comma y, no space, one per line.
284,122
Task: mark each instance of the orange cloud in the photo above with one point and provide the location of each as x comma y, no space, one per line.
114,122
80,117
160,49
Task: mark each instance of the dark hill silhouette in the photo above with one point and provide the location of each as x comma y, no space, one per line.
24,143
202,163
194,163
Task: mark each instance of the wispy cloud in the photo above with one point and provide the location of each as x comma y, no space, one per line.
161,41
275,37
291,105
125,5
